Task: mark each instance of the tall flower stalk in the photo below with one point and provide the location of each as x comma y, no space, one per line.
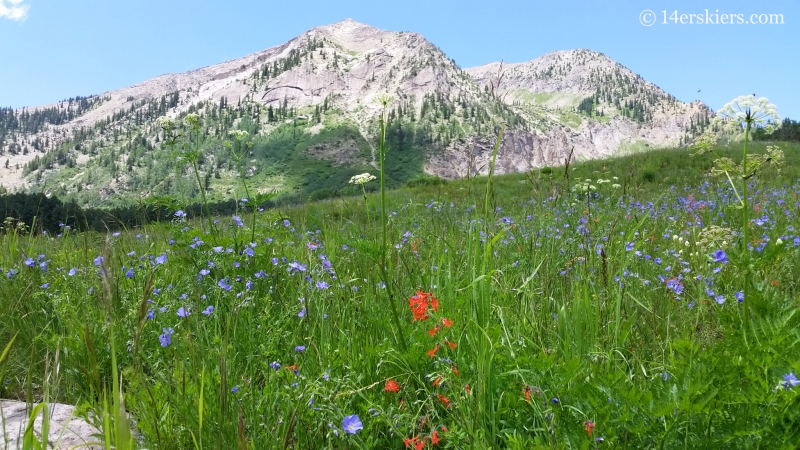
239,153
193,121
749,112
384,219
363,179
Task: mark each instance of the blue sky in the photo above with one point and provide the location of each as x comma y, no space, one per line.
55,49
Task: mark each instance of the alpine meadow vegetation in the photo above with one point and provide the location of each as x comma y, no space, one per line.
645,301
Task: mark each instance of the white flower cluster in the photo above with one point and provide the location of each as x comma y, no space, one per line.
362,178
759,112
238,134
167,123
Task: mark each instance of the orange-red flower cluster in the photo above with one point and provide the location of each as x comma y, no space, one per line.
391,386
419,304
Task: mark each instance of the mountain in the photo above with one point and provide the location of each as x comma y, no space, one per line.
311,107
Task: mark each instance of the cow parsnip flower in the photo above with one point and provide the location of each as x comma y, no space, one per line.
193,120
238,134
167,123
362,178
758,112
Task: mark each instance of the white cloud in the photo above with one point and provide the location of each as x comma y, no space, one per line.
13,9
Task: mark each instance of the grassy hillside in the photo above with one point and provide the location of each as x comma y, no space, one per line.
552,309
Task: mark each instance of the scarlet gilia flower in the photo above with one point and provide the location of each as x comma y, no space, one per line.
391,386
455,369
467,388
451,344
435,438
527,392
589,427
437,382
419,305
447,322
434,330
445,401
432,352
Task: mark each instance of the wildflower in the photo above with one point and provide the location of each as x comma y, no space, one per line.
554,400
161,259
45,286
30,262
527,391
296,266
739,296
224,284
589,427
234,389
300,348
391,386
238,221
719,256
432,352
183,312
302,313
71,272
274,365
435,438
748,109
98,261
790,380
362,178
352,424
445,401
209,309
321,285
151,314
180,214
166,337
447,322
129,273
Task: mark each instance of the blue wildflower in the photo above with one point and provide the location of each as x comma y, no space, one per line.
352,424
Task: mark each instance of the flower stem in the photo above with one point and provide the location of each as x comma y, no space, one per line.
395,317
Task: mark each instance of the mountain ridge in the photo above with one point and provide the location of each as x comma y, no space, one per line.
551,104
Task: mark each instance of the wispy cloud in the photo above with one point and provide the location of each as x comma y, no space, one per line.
13,9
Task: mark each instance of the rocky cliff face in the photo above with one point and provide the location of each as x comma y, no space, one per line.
576,99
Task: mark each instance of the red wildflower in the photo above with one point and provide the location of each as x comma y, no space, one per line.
527,392
391,386
408,441
435,438
437,381
433,351
420,444
444,400
451,344
455,369
444,428
447,322
466,388
589,427
434,303
434,330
